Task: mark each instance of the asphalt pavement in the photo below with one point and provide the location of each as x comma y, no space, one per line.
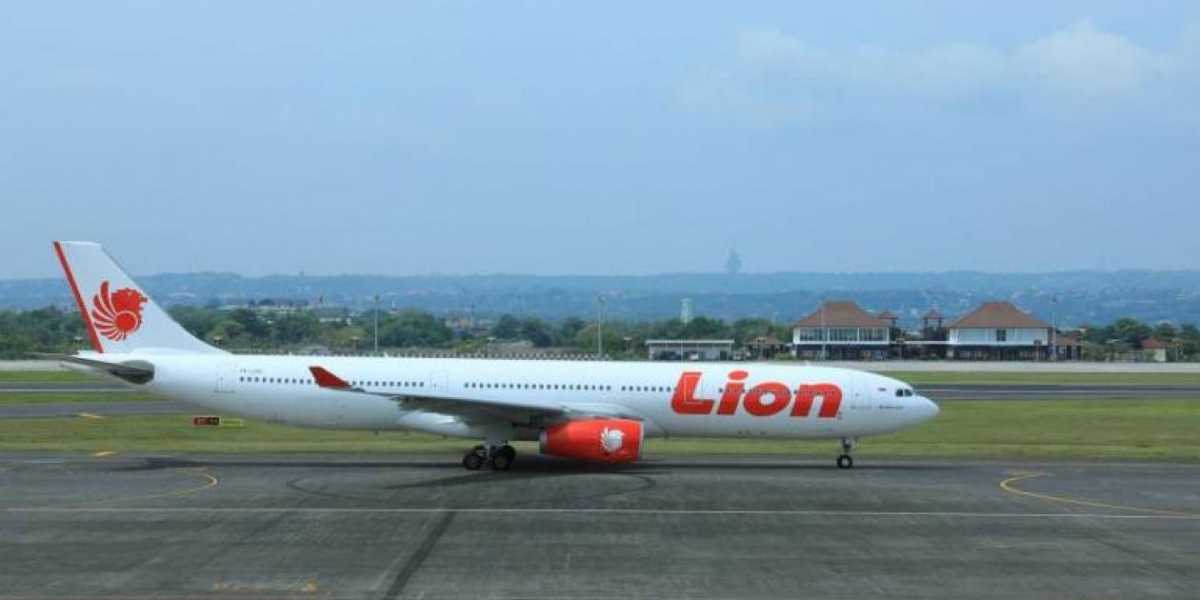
702,528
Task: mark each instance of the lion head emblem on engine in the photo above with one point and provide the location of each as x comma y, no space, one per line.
612,439
118,314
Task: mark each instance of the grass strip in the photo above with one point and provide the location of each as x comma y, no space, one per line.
1059,429
48,377
73,397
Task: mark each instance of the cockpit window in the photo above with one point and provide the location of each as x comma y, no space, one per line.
903,392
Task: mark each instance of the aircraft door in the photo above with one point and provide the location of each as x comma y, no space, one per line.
439,383
860,396
226,379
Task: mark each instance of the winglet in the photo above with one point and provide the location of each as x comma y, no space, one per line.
326,379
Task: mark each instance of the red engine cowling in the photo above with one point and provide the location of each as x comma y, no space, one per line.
595,440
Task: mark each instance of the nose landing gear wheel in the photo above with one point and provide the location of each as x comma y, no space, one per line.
845,462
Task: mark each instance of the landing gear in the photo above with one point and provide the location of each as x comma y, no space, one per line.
499,457
473,460
845,461
503,459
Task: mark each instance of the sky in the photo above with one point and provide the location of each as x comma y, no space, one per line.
601,137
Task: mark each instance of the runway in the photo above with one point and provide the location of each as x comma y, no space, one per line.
1040,391
340,527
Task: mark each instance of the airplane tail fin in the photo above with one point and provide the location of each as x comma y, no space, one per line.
119,316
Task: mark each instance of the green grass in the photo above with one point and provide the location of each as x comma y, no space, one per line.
53,397
1059,429
1053,429
47,377
1017,378
176,434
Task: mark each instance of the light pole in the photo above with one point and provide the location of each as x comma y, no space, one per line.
824,333
376,323
600,325
1053,328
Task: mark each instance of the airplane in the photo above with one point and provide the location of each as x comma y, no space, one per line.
599,411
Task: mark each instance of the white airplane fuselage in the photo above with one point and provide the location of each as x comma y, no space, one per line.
280,389
587,410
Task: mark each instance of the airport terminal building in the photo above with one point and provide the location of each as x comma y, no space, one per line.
842,330
998,330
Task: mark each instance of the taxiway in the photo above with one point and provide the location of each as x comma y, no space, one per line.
341,527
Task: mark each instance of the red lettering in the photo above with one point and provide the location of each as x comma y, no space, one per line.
780,396
685,401
831,400
804,400
832,403
733,393
763,400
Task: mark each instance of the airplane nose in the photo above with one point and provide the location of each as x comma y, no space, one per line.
930,408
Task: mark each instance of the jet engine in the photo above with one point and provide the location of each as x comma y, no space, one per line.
595,440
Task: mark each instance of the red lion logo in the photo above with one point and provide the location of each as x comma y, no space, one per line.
118,314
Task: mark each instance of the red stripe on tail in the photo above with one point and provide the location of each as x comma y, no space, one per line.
87,319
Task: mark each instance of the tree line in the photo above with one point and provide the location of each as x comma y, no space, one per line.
52,330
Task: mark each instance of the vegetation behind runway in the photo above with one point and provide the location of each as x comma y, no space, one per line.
1059,429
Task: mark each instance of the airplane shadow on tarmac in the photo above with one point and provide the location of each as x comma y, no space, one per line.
393,483
538,465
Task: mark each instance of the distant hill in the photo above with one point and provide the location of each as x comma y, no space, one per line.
1082,296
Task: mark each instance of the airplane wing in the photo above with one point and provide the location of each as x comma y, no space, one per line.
473,409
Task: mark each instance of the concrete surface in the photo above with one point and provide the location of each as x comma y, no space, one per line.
1000,391
337,527
967,366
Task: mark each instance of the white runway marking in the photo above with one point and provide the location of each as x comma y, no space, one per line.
610,511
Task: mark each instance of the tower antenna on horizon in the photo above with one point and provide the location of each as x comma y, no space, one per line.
733,264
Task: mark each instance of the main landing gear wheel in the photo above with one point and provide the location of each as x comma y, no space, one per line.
503,459
845,462
475,459
472,461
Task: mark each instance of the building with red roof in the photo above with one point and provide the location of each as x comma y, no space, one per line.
998,331
842,330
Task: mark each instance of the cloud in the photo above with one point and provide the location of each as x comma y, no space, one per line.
771,71
1083,61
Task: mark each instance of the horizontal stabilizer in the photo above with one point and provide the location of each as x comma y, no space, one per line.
133,371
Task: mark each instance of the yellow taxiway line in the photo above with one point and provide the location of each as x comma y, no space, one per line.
1007,485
